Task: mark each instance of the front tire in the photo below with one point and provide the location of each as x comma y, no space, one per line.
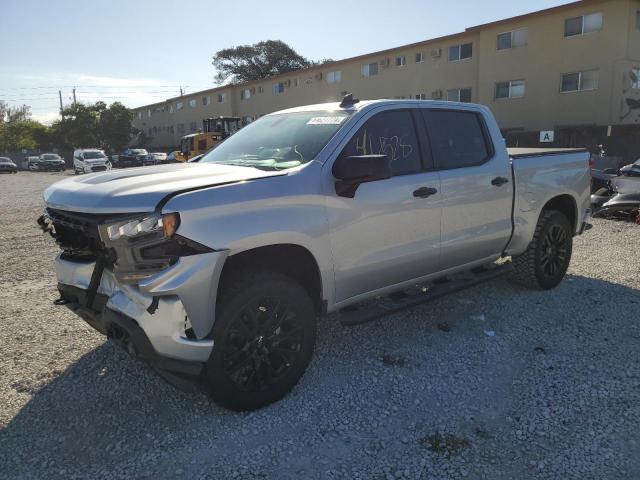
547,258
263,340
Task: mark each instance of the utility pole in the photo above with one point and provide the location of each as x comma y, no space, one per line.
74,96
60,95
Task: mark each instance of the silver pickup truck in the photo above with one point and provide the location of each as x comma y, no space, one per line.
214,272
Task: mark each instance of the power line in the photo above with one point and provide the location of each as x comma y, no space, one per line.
57,87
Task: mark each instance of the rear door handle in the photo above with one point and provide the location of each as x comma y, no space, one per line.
499,181
424,192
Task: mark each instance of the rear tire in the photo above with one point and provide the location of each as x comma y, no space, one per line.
263,340
543,265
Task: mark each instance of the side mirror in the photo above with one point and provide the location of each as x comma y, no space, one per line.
354,170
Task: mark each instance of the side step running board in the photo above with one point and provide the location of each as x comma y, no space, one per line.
397,301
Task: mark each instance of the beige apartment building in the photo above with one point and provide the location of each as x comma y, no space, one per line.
573,70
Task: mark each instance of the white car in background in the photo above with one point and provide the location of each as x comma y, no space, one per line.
90,160
155,158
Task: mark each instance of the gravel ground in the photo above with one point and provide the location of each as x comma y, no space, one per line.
495,382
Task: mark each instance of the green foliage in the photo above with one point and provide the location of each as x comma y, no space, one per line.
21,134
255,62
93,125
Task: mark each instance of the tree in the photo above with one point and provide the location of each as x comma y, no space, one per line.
21,135
116,125
255,62
19,114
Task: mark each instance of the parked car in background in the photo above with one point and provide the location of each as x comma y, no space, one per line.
155,158
214,272
132,157
33,163
7,166
173,157
88,160
51,161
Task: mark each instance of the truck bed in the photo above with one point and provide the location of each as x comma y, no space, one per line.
536,152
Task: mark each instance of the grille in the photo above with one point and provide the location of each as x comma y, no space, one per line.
77,234
98,168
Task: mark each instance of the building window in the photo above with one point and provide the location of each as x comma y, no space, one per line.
580,81
296,82
192,127
171,129
459,95
401,61
516,38
247,119
179,105
260,89
171,108
277,88
511,89
419,57
583,24
139,115
245,94
148,112
369,69
421,96
206,100
460,52
193,102
334,77
635,78
181,128
222,97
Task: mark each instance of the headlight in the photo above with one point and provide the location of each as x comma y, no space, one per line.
166,224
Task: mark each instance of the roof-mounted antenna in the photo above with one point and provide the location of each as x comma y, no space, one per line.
348,100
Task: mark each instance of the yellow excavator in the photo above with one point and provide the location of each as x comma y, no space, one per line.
214,130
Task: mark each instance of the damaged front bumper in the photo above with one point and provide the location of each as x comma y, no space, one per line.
164,320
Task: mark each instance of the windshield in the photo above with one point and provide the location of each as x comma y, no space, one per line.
91,155
276,142
50,156
159,155
138,152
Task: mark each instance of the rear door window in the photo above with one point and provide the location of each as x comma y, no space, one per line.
457,138
389,133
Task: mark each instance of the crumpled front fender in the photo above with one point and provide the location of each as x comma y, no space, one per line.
194,279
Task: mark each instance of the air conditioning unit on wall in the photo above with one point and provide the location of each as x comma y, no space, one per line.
384,63
319,76
436,53
436,94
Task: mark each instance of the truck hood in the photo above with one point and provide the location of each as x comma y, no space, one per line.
141,189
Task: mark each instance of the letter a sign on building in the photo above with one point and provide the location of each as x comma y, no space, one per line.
546,136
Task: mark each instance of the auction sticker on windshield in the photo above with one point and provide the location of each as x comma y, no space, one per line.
337,120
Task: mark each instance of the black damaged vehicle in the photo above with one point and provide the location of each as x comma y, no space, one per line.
132,157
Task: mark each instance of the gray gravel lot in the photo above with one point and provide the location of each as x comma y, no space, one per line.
426,393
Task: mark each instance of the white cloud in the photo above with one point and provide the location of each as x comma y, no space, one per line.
46,117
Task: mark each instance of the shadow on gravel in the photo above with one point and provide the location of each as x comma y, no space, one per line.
107,407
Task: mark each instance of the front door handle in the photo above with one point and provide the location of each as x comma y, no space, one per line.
499,181
424,192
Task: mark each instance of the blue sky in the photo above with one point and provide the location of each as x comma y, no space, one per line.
141,51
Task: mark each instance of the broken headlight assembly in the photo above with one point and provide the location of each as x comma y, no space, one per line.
145,245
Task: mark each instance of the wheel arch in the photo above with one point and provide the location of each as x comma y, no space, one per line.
565,204
293,260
